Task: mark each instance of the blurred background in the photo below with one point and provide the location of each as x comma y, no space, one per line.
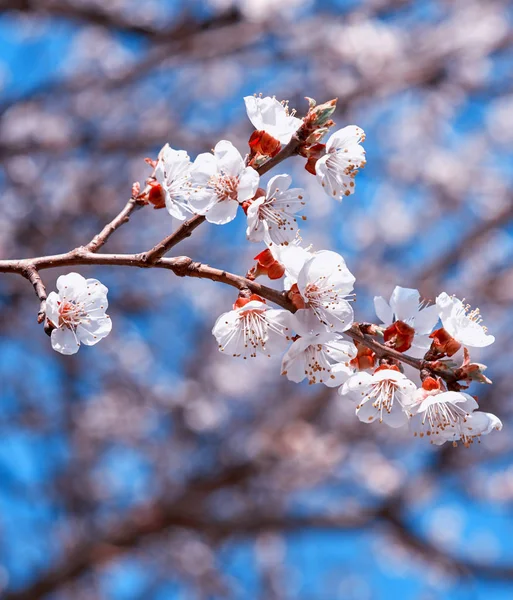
152,466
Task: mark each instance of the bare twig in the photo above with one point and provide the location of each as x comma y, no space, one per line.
123,217
30,272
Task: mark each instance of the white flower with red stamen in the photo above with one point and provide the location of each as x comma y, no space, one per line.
450,416
220,181
344,156
322,287
173,174
320,357
386,395
462,323
252,327
269,115
274,213
77,313
408,321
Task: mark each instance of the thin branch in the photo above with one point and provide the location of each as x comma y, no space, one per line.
123,217
183,266
30,272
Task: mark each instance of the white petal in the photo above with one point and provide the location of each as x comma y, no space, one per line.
294,361
222,212
383,310
405,303
248,184
306,323
90,333
279,331
203,168
367,413
347,136
426,319
71,285
228,158
52,308
327,269
64,341
356,386
278,182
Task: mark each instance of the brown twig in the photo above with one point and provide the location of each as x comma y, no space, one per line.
123,217
183,266
30,272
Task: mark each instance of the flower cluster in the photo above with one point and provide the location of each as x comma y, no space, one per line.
314,330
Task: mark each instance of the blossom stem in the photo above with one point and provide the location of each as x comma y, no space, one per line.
31,273
123,217
183,266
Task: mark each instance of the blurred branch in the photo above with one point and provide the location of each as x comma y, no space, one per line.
94,14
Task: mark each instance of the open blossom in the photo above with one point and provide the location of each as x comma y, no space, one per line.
292,256
320,357
450,416
220,181
269,115
274,213
173,173
408,322
77,313
253,327
386,395
463,324
323,285
344,156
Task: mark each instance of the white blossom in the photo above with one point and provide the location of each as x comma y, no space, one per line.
274,213
344,156
450,416
320,357
324,283
253,327
220,181
292,256
463,324
173,173
386,395
269,115
77,313
405,305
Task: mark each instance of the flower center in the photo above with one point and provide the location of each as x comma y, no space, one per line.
383,393
71,314
225,186
438,417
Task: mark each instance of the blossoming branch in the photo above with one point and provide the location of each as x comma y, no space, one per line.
407,370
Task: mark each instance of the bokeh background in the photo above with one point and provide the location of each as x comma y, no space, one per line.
153,467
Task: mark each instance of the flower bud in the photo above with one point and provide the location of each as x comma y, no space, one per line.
443,343
399,335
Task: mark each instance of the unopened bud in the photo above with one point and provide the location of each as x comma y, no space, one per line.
443,343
